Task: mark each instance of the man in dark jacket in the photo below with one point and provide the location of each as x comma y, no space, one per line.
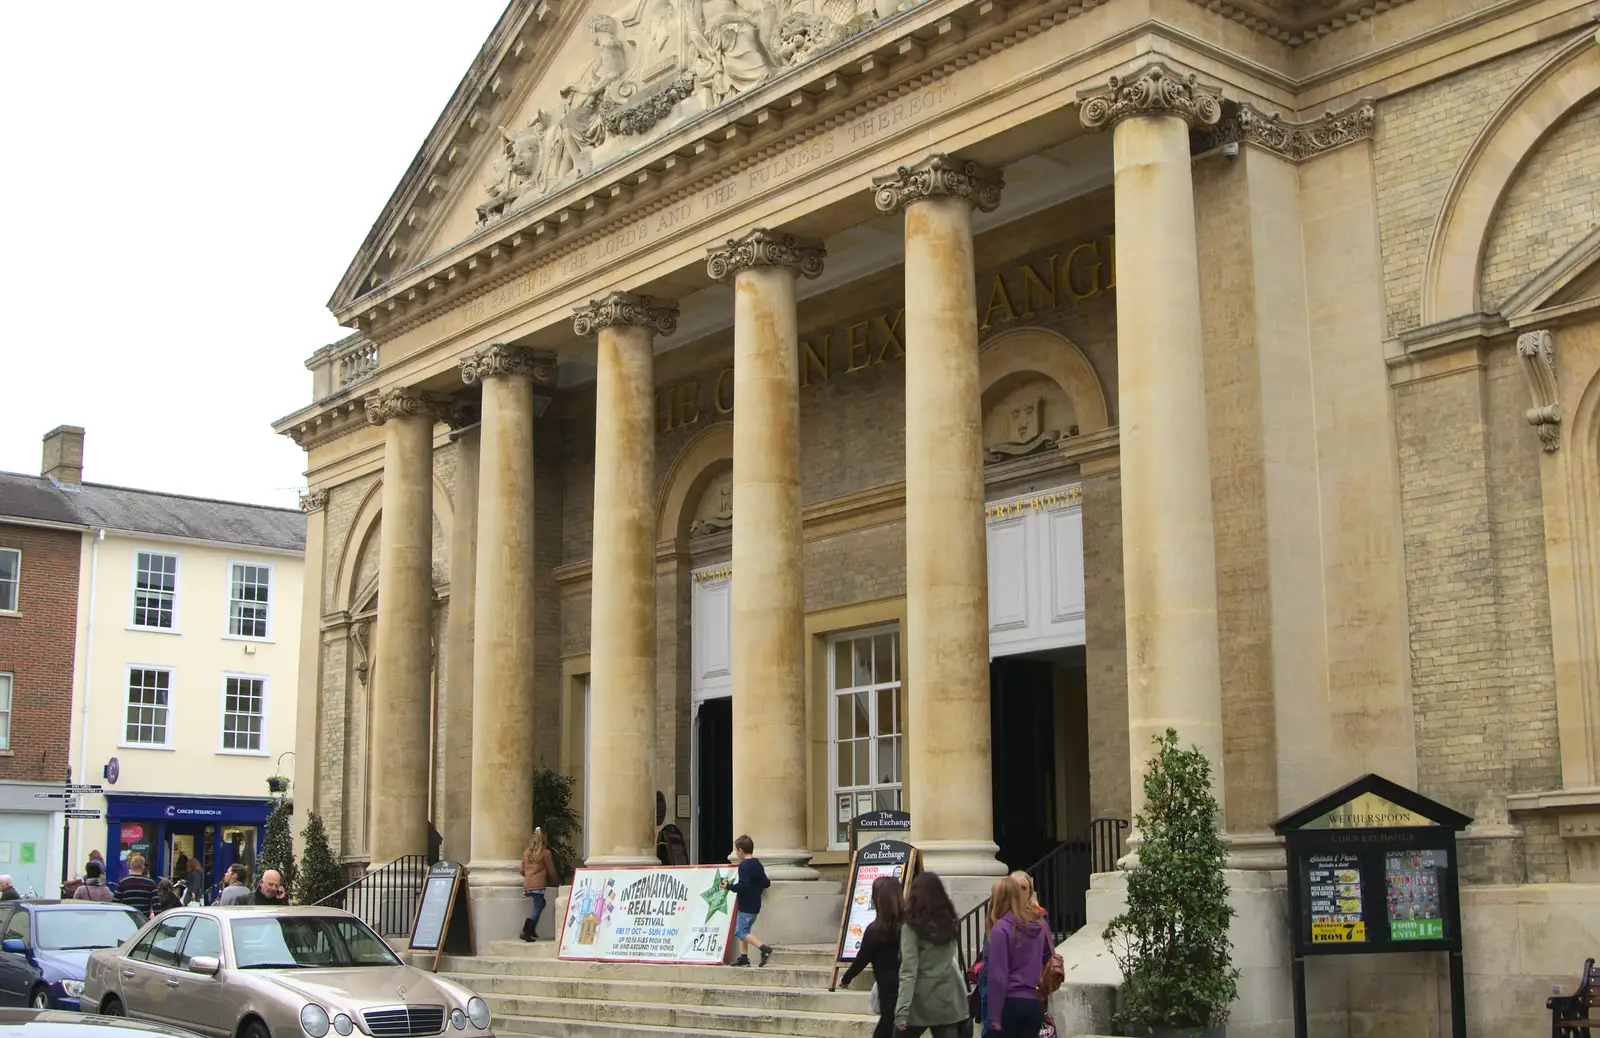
271,891
137,890
8,892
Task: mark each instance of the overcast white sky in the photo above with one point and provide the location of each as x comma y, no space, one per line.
184,184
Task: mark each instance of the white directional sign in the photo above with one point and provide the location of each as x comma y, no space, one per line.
81,789
82,812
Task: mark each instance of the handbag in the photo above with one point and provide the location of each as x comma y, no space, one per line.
1048,1028
873,1001
1051,977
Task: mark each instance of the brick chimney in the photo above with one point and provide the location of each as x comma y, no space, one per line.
63,455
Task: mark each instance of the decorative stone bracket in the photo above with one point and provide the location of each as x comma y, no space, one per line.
1296,142
1538,352
1581,833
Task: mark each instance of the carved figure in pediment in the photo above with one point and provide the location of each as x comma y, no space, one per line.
663,20
721,518
730,43
518,171
581,127
802,35
1027,433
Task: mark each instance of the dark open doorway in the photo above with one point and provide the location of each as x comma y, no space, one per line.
1023,755
714,781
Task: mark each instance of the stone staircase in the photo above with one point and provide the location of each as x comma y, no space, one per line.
532,993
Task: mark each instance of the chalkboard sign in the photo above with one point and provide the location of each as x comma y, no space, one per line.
1373,869
870,864
444,919
876,825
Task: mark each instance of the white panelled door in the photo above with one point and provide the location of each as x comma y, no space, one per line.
711,626
1036,596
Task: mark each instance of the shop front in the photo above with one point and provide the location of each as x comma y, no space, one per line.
171,832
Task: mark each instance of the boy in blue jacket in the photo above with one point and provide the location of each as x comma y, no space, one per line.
751,882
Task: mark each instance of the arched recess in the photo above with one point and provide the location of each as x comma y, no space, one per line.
367,516
1024,351
701,460
1450,283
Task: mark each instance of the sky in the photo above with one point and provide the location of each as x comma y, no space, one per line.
185,183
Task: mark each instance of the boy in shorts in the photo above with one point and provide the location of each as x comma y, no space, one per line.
751,882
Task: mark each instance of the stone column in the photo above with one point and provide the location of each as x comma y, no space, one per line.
399,745
502,655
768,605
308,700
947,583
1168,557
455,704
622,638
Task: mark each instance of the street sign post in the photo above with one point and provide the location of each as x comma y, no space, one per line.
83,789
86,813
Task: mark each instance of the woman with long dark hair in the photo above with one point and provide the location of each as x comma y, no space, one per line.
880,949
932,994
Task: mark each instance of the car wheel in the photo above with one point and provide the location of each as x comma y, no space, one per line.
255,1029
40,999
112,1007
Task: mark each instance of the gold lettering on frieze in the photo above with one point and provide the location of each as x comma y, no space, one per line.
852,343
723,390
810,360
689,403
1031,279
999,302
891,336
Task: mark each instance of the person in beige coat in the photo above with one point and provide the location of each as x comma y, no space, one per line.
538,873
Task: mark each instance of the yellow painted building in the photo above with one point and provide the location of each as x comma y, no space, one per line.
764,411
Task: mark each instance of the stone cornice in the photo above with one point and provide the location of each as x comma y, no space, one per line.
323,423
1297,142
764,248
313,500
625,309
938,176
1283,20
1150,91
501,360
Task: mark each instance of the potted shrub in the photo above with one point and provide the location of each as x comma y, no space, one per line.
1172,942
553,812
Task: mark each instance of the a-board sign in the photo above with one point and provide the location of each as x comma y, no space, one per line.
879,859
443,924
877,825
649,913
1373,868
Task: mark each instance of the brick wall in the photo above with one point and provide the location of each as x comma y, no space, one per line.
37,649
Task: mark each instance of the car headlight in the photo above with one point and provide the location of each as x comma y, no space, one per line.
458,1019
478,1013
342,1024
72,988
314,1020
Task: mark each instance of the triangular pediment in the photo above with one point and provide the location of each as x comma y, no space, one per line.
1570,282
562,89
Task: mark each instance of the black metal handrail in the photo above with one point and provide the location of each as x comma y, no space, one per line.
385,898
1060,881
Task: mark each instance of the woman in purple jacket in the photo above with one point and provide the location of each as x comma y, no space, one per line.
1019,946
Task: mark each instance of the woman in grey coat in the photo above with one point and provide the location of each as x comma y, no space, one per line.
933,995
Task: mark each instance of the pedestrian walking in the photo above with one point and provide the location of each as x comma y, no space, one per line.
880,949
1019,950
196,879
93,887
166,897
270,891
538,875
237,891
752,880
933,994
137,890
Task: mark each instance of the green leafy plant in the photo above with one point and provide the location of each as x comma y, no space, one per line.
1172,942
277,846
553,812
320,875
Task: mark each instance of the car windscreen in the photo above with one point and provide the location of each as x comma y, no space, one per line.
71,929
307,942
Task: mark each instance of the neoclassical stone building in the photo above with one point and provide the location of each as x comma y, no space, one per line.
763,410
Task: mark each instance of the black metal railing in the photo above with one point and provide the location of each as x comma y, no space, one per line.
385,898
1061,882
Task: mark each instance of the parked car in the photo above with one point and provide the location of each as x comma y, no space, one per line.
45,945
274,972
33,1023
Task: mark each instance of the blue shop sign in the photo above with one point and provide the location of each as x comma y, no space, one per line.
121,807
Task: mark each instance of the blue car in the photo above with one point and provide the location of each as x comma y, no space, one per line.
45,946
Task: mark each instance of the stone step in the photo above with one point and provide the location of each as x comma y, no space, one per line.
635,1019
780,1000
774,975
803,956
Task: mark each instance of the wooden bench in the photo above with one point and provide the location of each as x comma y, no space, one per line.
1569,1014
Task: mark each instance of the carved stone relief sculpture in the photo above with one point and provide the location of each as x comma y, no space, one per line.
721,511
1538,353
1025,430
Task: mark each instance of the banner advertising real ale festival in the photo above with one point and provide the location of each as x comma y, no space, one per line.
654,913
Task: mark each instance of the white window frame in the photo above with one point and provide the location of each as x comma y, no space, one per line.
834,789
16,602
272,594
127,704
222,713
177,590
8,681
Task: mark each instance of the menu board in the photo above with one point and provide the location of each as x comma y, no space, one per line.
1414,880
1333,889
875,861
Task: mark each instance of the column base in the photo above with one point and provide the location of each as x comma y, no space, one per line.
620,861
786,865
498,907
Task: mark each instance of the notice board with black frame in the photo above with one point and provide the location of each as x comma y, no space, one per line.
877,825
443,924
1373,869
877,860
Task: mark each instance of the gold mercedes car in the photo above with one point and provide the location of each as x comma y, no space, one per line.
268,972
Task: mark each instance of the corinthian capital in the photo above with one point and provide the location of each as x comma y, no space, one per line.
313,500
764,248
1151,91
500,360
397,403
627,309
938,176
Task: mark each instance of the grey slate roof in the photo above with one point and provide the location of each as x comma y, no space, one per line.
97,506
